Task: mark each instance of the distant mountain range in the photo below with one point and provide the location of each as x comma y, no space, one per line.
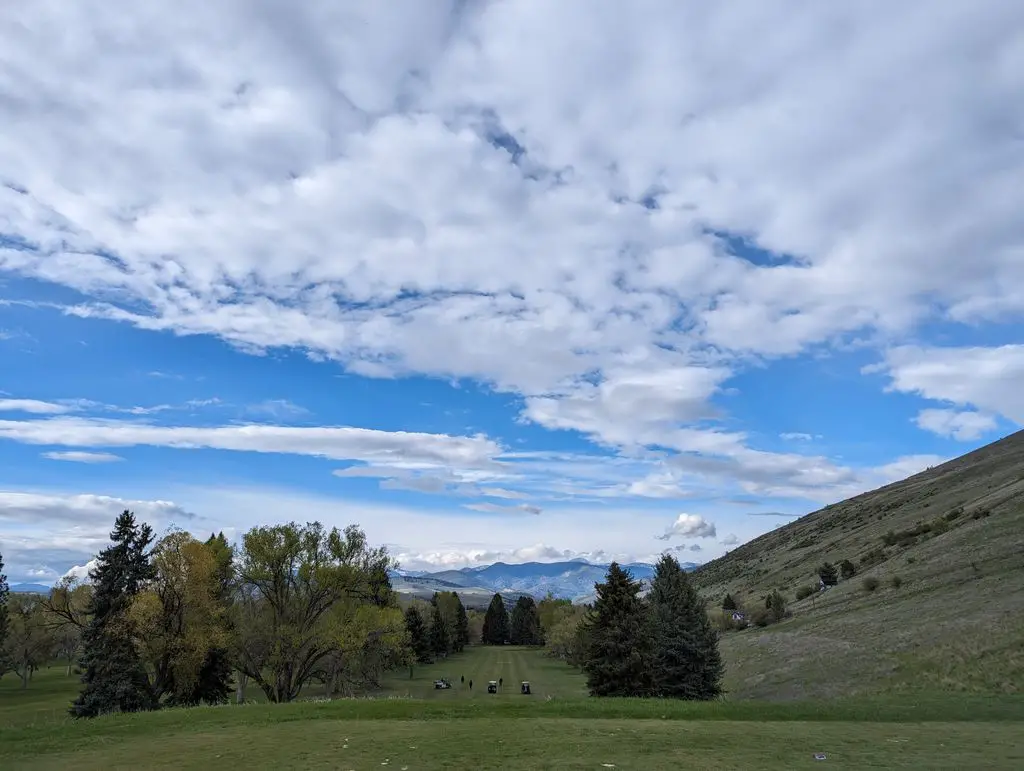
573,580
30,589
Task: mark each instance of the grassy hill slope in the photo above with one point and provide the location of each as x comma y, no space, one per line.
952,536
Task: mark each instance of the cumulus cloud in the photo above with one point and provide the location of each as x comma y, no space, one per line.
689,526
964,426
78,456
515,224
33,406
988,379
730,540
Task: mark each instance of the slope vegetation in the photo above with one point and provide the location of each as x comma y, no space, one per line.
946,549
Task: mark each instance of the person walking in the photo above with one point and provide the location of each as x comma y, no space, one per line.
471,685
462,679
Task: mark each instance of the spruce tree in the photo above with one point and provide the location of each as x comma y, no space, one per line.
525,625
495,631
461,623
5,593
615,660
419,638
685,663
440,634
114,677
728,603
828,574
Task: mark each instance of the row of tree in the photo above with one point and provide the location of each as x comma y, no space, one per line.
440,628
522,628
662,644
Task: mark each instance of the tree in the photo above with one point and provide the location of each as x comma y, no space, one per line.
775,603
847,569
5,593
179,620
828,574
114,678
290,577
440,632
461,623
567,638
419,637
551,609
29,642
616,660
495,631
728,603
524,628
685,662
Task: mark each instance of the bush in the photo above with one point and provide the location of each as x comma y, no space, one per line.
847,569
870,584
828,574
804,592
980,514
895,582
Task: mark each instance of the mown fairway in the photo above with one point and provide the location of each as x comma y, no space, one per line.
556,728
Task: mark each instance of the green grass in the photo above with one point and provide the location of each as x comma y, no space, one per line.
412,726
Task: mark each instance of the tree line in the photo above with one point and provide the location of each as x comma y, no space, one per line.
179,621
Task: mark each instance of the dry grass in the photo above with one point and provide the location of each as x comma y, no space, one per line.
955,621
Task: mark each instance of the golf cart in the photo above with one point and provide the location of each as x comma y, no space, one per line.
492,686
525,688
442,683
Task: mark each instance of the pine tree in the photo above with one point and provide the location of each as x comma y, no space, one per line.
5,593
495,631
440,634
616,660
828,574
685,662
525,625
419,638
461,623
114,677
728,603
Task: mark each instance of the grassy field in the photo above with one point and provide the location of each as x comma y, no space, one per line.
954,623
555,728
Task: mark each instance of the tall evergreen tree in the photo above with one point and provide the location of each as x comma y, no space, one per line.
5,623
114,678
461,623
495,631
440,634
525,625
616,660
728,603
419,637
685,662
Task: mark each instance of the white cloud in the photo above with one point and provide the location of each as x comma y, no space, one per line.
547,277
76,456
96,510
986,378
33,406
339,443
495,508
796,436
730,540
965,426
689,526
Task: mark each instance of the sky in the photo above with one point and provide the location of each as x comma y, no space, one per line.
499,280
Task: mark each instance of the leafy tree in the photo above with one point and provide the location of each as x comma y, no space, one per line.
728,603
114,678
847,569
179,619
5,593
524,628
289,579
828,574
775,603
495,631
368,640
550,610
616,660
419,638
685,662
29,642
566,639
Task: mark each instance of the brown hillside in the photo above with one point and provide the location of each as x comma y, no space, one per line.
953,536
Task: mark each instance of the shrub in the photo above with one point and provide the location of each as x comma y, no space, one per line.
954,514
895,582
980,513
847,569
873,557
870,584
828,574
803,592
911,560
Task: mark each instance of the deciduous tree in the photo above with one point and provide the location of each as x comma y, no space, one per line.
29,642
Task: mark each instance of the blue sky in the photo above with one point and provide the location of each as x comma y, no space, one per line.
302,275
